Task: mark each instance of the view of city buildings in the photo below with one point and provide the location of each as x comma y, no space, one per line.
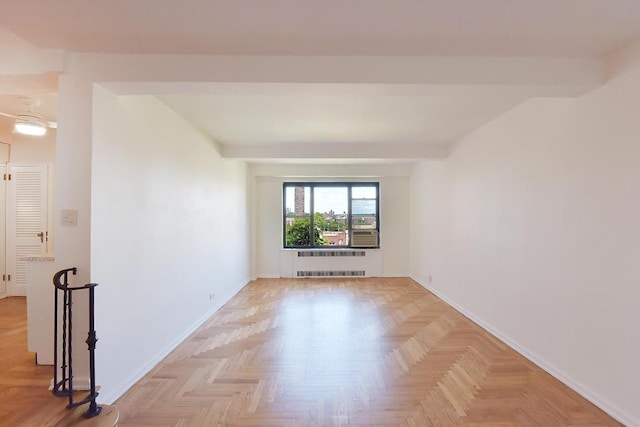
331,217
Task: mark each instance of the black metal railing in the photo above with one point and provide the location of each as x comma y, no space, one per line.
63,386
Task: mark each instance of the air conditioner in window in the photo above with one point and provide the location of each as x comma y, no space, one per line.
364,239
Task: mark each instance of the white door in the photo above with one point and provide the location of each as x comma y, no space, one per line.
3,246
27,220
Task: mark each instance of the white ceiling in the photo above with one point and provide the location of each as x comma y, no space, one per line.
290,115
328,27
258,113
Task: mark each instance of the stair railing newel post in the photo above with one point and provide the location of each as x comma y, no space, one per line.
64,387
91,341
61,283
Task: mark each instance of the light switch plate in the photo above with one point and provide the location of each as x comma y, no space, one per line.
70,217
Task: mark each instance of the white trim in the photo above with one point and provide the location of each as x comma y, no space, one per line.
109,398
268,276
557,373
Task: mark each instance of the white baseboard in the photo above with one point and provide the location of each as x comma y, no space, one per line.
268,276
557,373
113,395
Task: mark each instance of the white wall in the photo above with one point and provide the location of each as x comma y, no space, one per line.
394,226
531,227
268,243
394,210
170,226
30,149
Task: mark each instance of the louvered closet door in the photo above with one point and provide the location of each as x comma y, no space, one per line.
3,246
27,232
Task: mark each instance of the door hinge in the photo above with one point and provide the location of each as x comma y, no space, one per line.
7,177
6,278
46,236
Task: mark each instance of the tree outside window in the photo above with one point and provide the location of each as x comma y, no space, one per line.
328,211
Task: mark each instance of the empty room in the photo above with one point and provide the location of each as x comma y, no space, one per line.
333,213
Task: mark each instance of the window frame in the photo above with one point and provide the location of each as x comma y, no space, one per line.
312,185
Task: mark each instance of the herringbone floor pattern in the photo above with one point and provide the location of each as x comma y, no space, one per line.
361,352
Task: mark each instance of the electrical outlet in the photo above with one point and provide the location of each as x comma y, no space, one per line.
211,295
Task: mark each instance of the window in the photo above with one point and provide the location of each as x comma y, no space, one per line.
335,214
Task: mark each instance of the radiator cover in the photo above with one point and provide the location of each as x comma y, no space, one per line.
331,263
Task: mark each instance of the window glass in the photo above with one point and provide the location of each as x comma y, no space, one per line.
364,211
327,214
330,205
297,216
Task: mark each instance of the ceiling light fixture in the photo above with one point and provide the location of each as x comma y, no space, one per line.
28,124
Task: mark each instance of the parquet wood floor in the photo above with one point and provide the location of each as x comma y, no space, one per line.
24,396
25,399
357,352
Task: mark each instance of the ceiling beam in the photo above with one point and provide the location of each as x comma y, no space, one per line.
167,74
334,151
